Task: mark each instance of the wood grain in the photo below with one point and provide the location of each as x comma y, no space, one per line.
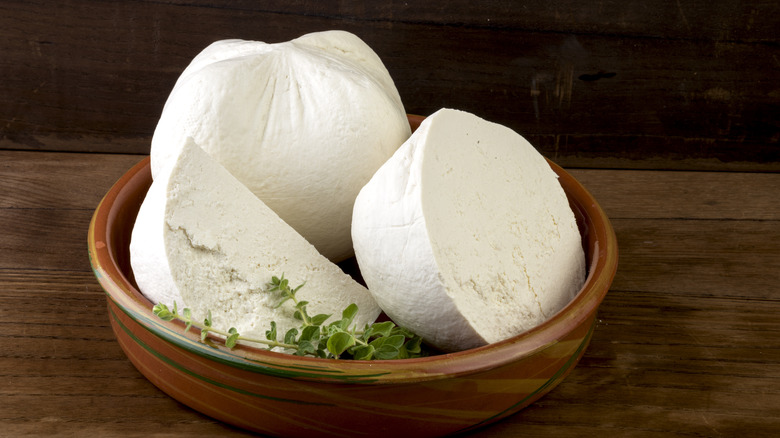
598,84
63,371
687,341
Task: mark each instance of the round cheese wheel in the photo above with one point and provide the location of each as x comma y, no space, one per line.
465,235
304,124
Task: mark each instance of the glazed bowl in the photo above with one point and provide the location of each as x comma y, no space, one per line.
284,395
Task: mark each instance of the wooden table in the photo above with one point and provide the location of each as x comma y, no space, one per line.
687,343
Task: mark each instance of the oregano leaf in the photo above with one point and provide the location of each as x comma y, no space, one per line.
309,341
386,352
387,347
348,315
310,333
289,337
414,345
270,334
319,319
340,342
307,347
380,329
162,312
187,315
365,352
231,340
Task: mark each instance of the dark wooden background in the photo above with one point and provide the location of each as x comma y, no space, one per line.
645,84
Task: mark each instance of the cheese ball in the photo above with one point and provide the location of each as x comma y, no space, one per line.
303,124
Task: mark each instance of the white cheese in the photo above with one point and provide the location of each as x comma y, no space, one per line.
304,124
465,235
204,240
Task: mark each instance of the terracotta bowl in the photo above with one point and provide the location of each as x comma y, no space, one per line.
290,396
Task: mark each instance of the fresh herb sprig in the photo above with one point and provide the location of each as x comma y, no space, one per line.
339,339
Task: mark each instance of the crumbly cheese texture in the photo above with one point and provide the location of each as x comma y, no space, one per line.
465,235
304,124
204,240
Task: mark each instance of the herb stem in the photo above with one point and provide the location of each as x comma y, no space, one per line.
267,342
167,314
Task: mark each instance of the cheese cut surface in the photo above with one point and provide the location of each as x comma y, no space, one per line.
465,235
204,240
303,123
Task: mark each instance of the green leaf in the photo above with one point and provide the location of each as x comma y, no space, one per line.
334,328
187,314
282,301
365,352
270,334
414,345
308,343
301,313
348,315
231,340
379,329
162,312
289,337
294,291
319,319
204,333
403,331
306,347
207,321
340,342
387,347
310,333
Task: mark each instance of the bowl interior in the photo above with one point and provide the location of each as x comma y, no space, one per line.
109,240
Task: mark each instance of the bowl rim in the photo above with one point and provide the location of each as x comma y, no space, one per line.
121,291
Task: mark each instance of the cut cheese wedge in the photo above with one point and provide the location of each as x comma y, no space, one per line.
465,235
204,240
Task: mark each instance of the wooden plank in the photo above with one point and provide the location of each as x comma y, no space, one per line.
647,87
31,179
699,257
50,239
717,20
676,195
